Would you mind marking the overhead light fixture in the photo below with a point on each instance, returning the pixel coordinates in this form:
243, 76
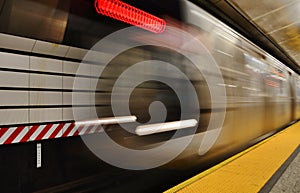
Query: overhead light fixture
126, 13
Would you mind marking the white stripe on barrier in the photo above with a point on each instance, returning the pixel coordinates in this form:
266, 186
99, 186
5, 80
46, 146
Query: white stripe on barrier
72, 132
7, 134
66, 126
37, 132
21, 135
83, 130
94, 129
50, 131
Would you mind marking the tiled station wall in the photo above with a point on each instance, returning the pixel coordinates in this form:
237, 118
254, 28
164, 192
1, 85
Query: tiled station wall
36, 81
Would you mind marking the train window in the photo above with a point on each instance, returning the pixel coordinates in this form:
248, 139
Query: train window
257, 70
276, 82
223, 52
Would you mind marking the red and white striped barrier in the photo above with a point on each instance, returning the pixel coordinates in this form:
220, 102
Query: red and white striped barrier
9, 135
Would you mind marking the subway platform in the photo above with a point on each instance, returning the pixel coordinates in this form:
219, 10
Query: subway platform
272, 165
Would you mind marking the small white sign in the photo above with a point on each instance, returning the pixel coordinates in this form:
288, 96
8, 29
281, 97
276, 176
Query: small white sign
38, 155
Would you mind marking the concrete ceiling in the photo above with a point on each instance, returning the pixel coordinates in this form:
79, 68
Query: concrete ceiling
278, 19
273, 25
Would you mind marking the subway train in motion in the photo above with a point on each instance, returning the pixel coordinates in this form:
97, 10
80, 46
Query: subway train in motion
91, 103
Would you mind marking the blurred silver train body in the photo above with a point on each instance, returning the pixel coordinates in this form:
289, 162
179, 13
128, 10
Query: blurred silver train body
262, 93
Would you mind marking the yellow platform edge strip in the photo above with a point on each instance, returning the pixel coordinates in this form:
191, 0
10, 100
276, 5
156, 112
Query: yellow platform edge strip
220, 165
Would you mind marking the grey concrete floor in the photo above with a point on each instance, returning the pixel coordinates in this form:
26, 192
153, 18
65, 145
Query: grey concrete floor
289, 182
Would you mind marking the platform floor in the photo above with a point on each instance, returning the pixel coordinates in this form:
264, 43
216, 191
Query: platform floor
272, 165
289, 181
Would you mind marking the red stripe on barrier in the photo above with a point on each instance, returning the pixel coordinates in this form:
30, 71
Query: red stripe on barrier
25, 138
16, 132
57, 130
76, 132
30, 132
89, 129
68, 130
2, 131
80, 128
43, 132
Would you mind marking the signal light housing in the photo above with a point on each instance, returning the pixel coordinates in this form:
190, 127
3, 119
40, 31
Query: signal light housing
123, 12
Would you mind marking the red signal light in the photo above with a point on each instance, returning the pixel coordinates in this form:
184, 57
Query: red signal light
123, 12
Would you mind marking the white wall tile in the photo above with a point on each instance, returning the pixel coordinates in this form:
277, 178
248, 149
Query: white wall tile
45, 98
45, 64
45, 115
14, 79
13, 116
14, 61
13, 98
45, 81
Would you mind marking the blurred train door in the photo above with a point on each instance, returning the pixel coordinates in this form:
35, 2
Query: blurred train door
278, 104
254, 91
295, 89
